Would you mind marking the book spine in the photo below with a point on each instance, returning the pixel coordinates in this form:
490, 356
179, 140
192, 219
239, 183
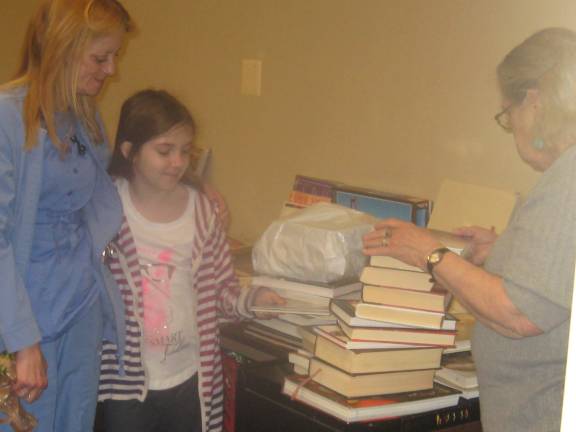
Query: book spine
314, 186
306, 199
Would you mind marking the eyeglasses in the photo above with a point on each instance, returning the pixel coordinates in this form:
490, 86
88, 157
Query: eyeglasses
503, 119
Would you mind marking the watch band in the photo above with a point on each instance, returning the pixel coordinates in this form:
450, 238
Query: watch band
434, 258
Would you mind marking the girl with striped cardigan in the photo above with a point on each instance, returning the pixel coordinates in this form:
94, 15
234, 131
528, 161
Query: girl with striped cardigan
172, 265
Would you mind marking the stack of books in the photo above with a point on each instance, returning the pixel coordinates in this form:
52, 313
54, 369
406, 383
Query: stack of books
307, 305
360, 368
370, 408
390, 341
310, 190
364, 380
400, 304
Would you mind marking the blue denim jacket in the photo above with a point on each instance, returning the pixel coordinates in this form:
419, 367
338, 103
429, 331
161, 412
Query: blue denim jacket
20, 181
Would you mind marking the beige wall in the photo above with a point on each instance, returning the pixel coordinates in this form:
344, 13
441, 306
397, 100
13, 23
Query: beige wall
390, 94
13, 20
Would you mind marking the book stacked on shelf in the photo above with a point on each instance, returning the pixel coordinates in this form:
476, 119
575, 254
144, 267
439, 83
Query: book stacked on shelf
307, 305
384, 205
458, 371
400, 296
370, 408
359, 368
310, 190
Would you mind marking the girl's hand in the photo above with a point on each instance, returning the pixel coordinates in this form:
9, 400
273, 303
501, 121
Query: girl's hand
31, 378
401, 240
481, 242
267, 297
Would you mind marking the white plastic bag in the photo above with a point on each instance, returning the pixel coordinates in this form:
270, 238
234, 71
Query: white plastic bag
321, 243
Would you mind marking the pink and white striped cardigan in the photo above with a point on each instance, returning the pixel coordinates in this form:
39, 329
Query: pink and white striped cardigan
219, 298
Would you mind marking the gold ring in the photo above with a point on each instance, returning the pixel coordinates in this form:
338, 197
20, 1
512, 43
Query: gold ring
384, 241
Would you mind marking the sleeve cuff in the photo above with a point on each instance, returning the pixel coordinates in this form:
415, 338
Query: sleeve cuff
20, 337
545, 314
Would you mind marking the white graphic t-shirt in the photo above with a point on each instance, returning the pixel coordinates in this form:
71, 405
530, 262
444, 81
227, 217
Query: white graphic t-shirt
170, 333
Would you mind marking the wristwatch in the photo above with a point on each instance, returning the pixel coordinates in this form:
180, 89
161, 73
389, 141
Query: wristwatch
434, 258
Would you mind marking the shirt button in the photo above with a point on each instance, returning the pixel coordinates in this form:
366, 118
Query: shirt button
75, 170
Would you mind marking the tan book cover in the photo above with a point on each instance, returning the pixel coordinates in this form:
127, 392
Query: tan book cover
414, 336
345, 310
413, 317
370, 408
435, 300
460, 204
383, 276
335, 334
369, 384
391, 262
374, 361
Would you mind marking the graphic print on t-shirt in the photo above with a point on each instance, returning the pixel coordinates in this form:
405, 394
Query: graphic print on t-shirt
161, 330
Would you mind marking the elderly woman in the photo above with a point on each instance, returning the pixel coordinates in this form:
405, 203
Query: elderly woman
518, 286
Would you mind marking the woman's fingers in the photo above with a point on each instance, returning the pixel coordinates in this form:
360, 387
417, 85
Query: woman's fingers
31, 376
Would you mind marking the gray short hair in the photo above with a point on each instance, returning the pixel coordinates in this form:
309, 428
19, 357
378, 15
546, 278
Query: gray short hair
545, 61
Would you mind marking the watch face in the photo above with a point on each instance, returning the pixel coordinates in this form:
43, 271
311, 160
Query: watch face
435, 257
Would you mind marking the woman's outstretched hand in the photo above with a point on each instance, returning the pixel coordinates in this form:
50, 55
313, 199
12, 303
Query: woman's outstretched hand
401, 240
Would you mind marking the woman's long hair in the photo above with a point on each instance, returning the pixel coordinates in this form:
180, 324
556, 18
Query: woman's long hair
56, 38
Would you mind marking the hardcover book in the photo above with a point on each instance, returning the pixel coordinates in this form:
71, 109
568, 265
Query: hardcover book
277, 325
414, 336
368, 408
371, 384
392, 314
345, 311
435, 300
300, 361
375, 202
384, 205
337, 336
272, 336
315, 186
459, 369
317, 289
373, 361
308, 336
293, 306
391, 262
383, 276
307, 320
305, 199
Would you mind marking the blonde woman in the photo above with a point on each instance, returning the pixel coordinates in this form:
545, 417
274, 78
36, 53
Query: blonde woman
58, 210
519, 286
